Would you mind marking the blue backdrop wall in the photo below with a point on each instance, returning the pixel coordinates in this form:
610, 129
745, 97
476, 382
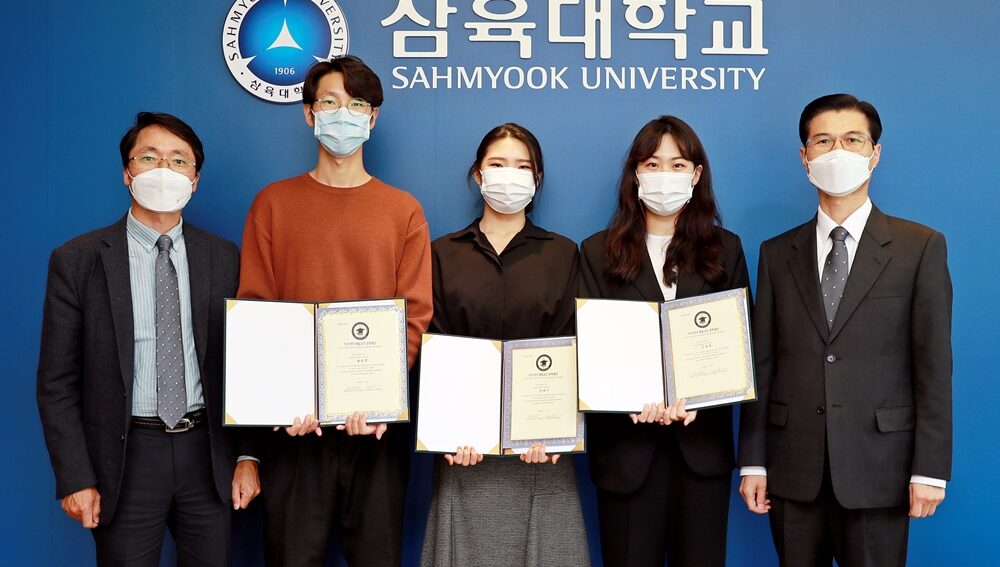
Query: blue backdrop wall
76, 73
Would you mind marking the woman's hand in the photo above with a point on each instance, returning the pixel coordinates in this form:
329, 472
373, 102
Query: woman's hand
536, 455
465, 456
676, 412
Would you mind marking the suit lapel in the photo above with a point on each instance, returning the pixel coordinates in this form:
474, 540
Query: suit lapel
869, 262
805, 272
645, 283
199, 277
689, 285
114, 258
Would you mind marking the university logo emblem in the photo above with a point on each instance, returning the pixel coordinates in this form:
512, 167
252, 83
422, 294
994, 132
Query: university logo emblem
360, 331
702, 319
270, 44
543, 362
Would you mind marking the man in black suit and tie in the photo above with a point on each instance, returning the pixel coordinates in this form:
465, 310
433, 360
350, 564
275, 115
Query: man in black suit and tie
851, 432
130, 369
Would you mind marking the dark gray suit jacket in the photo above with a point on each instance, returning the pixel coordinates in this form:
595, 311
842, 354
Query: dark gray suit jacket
873, 392
85, 367
621, 453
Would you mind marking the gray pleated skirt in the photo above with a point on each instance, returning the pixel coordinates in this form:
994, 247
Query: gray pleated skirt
505, 513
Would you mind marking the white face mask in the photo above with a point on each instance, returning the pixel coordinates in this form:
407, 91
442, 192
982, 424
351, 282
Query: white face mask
839, 172
161, 190
507, 190
341, 132
665, 192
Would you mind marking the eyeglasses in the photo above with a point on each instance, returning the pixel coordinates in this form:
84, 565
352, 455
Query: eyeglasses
356, 106
146, 162
851, 141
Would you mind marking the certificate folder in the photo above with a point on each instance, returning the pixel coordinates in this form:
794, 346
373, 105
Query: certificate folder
500, 397
285, 360
632, 353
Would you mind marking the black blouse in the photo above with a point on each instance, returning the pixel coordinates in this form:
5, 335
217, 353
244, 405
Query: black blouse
527, 291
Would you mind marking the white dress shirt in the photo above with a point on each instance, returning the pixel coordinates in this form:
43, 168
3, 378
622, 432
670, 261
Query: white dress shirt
855, 225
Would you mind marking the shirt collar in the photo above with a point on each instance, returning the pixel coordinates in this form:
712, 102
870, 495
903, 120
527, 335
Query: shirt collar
146, 236
855, 224
530, 230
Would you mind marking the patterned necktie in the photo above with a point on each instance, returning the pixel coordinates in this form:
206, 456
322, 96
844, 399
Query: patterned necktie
835, 274
171, 400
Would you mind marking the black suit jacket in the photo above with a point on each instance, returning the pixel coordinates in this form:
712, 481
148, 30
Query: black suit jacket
85, 367
621, 452
873, 392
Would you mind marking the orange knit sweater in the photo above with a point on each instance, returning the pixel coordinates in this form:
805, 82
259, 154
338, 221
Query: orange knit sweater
305, 241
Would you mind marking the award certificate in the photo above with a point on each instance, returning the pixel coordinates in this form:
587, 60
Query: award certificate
499, 397
709, 360
540, 399
632, 353
286, 359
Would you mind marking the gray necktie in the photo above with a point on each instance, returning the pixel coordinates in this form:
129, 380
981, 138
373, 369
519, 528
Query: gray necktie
835, 274
171, 400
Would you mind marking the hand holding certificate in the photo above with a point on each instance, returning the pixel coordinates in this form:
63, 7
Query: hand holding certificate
695, 349
344, 363
514, 397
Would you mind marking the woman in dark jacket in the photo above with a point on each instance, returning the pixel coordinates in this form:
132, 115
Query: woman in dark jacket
663, 490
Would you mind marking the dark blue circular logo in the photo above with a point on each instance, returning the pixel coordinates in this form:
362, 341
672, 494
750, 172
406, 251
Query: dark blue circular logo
269, 45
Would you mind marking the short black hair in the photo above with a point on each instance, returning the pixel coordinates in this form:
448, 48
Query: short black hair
840, 102
168, 122
359, 80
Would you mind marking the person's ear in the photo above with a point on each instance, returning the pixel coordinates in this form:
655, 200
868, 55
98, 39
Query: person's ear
876, 156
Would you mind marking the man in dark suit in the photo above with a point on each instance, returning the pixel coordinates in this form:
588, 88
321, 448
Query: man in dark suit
852, 332
130, 369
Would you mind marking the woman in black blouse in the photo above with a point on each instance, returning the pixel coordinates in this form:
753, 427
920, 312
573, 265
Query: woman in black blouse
663, 489
502, 277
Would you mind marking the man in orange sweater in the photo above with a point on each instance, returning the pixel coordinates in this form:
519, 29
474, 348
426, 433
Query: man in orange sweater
337, 233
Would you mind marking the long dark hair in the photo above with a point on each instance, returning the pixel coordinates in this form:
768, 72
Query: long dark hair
521, 134
697, 240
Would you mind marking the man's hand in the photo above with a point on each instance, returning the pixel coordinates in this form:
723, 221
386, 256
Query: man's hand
651, 413
84, 506
753, 488
357, 424
246, 483
924, 500
303, 426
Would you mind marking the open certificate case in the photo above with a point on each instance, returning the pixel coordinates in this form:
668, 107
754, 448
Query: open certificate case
285, 360
500, 397
632, 352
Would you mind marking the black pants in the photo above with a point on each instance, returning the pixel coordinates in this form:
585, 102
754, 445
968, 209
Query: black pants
675, 513
167, 484
814, 533
356, 486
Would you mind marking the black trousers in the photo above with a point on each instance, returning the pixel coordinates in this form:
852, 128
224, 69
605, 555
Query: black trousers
675, 513
167, 484
815, 533
312, 486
